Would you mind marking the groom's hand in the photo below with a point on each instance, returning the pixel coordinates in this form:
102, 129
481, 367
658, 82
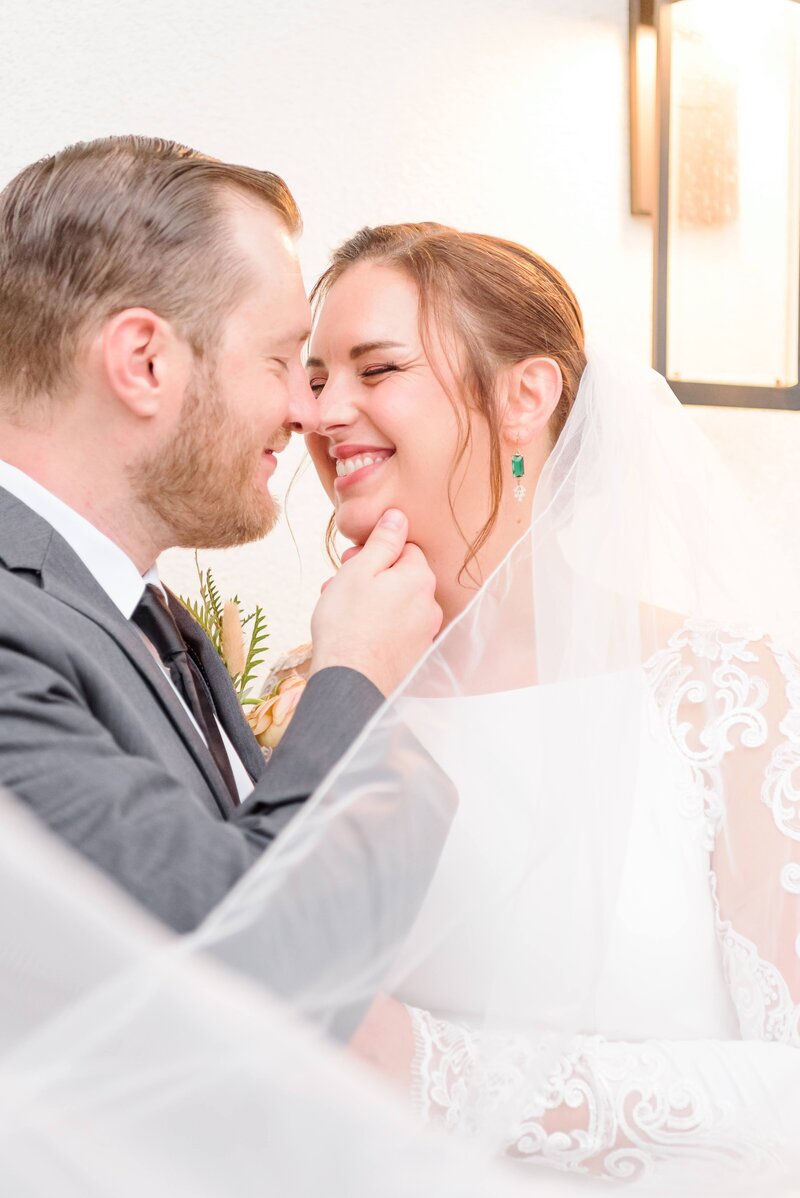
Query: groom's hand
379, 614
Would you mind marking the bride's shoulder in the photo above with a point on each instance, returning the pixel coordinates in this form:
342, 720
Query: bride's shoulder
703, 644
729, 690
686, 651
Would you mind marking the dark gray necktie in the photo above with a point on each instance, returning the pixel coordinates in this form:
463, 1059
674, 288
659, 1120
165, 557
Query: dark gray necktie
156, 621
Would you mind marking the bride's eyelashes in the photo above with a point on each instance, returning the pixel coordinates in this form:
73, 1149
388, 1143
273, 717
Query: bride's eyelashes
369, 372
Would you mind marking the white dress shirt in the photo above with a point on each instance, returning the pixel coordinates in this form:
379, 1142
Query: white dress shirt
112, 569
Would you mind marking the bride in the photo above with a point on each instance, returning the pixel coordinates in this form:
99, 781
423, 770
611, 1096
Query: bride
605, 976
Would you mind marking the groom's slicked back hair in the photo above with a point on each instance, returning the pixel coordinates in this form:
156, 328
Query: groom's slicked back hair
111, 224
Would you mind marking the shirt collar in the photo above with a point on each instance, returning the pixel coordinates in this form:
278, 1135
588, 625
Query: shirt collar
110, 566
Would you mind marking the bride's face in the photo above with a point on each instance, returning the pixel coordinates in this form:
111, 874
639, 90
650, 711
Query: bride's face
388, 434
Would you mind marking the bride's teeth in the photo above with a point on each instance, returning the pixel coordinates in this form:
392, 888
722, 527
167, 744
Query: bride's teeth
350, 465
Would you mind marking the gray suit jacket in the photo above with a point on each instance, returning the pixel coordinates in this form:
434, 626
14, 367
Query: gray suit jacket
95, 742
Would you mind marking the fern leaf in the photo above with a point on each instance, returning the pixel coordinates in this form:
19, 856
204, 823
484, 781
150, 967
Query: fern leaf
215, 600
255, 651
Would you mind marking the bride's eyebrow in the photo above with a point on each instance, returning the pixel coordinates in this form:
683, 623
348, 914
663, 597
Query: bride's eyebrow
358, 351
368, 347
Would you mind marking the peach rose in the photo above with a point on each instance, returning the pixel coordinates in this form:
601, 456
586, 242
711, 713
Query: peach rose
270, 718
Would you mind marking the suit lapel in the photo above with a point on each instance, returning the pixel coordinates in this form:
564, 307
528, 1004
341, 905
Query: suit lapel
30, 545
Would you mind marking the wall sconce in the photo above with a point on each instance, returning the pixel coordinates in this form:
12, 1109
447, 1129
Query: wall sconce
715, 157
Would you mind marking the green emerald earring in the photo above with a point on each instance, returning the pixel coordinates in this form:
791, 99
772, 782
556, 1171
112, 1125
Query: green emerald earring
517, 472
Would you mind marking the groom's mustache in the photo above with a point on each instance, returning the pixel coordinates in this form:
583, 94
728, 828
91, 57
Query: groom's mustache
280, 440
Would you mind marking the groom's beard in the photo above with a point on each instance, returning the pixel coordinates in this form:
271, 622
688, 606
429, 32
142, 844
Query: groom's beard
206, 485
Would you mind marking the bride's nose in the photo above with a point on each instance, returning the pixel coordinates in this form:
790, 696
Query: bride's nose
336, 408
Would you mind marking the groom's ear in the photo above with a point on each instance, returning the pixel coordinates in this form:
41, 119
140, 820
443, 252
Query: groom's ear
531, 391
140, 359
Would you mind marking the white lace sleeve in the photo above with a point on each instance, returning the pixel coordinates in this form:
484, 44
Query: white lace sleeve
732, 703
616, 1110
621, 1109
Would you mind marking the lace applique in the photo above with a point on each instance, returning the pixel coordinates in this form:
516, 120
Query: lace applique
449, 1076
640, 1112
629, 1106
781, 789
790, 878
440, 1068
738, 698
762, 998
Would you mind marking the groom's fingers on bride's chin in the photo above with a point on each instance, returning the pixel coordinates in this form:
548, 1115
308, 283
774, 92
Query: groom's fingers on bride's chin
385, 543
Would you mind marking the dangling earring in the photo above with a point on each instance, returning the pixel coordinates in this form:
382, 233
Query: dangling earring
517, 471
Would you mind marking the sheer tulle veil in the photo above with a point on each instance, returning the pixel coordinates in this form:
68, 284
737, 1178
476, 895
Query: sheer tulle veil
131, 1065
544, 694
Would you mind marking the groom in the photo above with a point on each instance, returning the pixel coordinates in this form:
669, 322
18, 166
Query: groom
151, 319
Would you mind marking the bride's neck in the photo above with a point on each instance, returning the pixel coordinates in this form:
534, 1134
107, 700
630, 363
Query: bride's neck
456, 583
459, 579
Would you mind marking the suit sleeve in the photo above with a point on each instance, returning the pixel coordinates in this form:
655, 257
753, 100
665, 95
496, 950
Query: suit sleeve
336, 705
150, 833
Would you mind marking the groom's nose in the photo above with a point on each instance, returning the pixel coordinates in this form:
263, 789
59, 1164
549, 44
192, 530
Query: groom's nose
303, 411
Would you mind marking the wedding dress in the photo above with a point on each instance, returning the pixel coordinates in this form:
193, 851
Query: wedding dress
605, 976
689, 1054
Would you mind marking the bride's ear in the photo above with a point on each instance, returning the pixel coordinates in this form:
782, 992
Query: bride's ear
530, 391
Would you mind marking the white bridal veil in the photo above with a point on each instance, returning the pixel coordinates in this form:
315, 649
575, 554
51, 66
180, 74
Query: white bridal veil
129, 1065
604, 975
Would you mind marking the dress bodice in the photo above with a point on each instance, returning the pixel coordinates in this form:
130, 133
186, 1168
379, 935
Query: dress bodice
658, 970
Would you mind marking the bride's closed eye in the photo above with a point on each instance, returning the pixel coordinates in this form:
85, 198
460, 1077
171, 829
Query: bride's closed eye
371, 372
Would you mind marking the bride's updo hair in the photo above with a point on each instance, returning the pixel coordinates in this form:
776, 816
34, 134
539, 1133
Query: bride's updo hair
495, 301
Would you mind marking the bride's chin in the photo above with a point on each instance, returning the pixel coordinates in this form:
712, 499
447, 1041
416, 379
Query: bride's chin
356, 527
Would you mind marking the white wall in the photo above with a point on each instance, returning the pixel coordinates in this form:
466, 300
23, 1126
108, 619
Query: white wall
508, 116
